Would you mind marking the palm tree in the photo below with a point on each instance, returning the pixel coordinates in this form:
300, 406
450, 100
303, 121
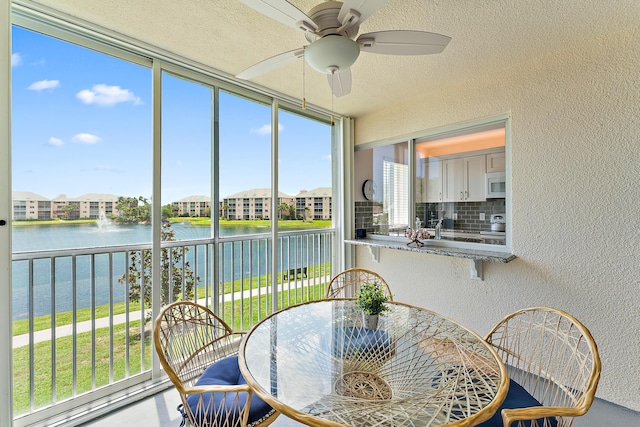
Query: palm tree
283, 209
307, 210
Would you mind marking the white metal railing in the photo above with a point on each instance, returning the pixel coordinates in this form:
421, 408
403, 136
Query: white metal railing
80, 332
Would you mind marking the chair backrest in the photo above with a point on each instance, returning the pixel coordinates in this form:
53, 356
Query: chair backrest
347, 283
552, 355
188, 338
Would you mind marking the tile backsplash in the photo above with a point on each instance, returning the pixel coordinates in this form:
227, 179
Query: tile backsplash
458, 216
364, 215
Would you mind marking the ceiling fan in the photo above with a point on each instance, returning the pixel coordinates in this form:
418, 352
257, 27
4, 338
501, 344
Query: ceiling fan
331, 28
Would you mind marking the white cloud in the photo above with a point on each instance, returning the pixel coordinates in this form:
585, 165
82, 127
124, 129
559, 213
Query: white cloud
55, 142
16, 59
85, 138
105, 95
266, 129
327, 157
44, 84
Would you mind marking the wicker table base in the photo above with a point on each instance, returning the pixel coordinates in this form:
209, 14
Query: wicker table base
363, 385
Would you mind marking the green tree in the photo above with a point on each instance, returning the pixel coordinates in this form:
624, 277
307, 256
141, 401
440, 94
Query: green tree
292, 211
225, 211
307, 212
167, 212
69, 209
283, 208
132, 210
173, 268
170, 209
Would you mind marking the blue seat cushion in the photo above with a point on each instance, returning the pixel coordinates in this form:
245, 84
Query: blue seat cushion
353, 340
517, 397
226, 372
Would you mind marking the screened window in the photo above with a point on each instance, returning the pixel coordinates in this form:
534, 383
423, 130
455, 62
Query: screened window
385, 209
459, 187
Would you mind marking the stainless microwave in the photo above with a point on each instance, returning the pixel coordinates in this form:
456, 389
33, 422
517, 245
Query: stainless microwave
495, 185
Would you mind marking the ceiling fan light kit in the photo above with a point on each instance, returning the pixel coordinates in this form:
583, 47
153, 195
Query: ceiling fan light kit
331, 28
332, 54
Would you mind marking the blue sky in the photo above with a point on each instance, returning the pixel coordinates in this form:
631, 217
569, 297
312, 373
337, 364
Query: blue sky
81, 123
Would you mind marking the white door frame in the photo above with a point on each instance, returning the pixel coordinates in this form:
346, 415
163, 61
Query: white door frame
6, 205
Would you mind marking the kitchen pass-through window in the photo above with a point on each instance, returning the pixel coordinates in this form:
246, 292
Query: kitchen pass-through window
459, 190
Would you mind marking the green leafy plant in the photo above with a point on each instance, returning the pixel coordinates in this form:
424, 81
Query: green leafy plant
178, 280
371, 298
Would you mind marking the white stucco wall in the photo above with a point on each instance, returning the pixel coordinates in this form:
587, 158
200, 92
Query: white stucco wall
575, 199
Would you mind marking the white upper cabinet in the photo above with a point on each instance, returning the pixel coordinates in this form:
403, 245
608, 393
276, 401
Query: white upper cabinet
465, 179
455, 180
473, 170
495, 162
450, 181
460, 179
434, 178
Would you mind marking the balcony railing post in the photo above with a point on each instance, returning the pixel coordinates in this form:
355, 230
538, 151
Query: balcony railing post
92, 279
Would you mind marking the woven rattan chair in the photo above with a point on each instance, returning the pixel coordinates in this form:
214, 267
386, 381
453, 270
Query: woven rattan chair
198, 351
347, 283
550, 357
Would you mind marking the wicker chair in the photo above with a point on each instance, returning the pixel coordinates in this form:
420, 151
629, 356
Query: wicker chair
198, 351
552, 361
347, 283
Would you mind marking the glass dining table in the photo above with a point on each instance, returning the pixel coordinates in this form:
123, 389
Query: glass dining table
316, 363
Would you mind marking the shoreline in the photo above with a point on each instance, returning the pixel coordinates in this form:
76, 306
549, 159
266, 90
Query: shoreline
196, 222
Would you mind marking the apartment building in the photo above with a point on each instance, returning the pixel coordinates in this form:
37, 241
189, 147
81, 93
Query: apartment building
27, 205
193, 206
314, 204
90, 205
252, 204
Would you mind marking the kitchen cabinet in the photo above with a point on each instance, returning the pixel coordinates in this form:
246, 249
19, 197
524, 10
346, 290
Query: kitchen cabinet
473, 172
495, 162
455, 180
449, 181
433, 176
464, 179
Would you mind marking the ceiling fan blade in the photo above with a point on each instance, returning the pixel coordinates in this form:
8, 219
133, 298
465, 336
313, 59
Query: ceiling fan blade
340, 83
271, 64
403, 42
364, 7
284, 12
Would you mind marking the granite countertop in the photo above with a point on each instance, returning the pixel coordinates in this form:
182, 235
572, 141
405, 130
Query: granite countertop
474, 254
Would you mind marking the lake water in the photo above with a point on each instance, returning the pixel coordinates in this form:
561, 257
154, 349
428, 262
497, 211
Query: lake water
42, 237
238, 260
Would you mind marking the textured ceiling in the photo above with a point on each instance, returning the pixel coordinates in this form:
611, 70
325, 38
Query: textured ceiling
486, 35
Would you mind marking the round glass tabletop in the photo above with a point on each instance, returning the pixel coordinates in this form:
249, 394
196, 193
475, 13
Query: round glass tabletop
318, 364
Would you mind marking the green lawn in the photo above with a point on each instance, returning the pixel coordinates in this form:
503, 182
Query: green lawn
65, 318
64, 365
64, 352
316, 223
252, 310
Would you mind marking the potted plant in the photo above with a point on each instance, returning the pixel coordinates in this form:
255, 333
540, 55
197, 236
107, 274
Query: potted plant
371, 299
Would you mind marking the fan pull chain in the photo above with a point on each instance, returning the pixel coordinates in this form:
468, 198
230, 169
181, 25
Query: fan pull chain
333, 76
304, 84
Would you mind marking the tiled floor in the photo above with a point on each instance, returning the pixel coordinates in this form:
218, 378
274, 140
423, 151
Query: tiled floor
160, 411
